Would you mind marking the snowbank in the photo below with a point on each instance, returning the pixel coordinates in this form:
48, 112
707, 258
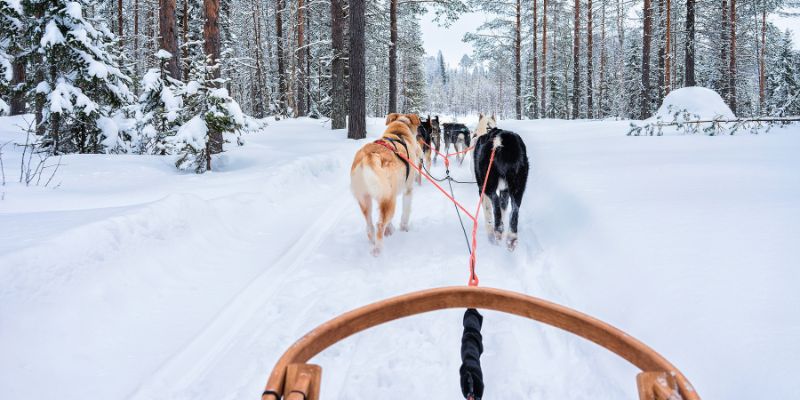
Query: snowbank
693, 103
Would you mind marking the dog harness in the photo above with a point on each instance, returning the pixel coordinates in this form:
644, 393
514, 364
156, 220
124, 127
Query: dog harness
394, 142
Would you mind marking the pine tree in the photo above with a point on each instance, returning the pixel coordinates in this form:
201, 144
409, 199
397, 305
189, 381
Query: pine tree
160, 112
783, 79
80, 85
10, 27
206, 108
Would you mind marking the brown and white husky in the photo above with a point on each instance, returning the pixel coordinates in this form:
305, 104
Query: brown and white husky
381, 172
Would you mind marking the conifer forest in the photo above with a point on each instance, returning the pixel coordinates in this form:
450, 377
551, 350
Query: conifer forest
184, 76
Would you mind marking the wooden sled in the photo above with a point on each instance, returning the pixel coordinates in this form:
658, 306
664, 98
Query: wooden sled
294, 379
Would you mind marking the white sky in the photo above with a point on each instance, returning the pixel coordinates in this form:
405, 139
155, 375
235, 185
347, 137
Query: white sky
448, 40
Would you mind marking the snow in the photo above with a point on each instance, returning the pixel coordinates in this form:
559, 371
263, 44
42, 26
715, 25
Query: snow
192, 132
14, 5
163, 54
133, 281
74, 10
701, 103
52, 35
172, 103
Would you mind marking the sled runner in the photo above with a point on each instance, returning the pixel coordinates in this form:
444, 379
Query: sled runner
292, 378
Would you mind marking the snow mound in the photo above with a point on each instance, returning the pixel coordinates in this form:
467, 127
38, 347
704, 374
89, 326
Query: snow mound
693, 103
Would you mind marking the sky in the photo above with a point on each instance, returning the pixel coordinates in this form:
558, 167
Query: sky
449, 40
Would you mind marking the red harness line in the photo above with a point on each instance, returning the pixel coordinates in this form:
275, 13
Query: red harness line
473, 277
446, 157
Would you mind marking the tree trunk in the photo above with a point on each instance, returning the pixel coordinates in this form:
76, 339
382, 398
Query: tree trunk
307, 75
136, 60
518, 60
119, 20
338, 95
603, 61
168, 30
535, 97
544, 59
357, 125
589, 61
576, 69
662, 50
185, 37
300, 52
668, 51
762, 66
647, 33
212, 50
152, 37
732, 64
279, 50
259, 87
690, 15
723, 59
17, 84
393, 56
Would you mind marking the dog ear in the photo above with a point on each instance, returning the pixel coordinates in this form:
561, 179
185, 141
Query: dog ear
494, 117
480, 116
414, 118
391, 118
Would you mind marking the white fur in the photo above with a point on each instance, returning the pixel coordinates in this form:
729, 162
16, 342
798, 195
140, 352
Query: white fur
497, 143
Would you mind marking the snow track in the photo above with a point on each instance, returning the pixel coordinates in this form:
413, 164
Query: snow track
192, 364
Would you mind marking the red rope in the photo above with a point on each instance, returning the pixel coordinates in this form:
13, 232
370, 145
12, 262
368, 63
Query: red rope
446, 157
473, 277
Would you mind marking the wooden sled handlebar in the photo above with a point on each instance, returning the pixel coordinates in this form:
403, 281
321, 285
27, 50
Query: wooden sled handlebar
660, 380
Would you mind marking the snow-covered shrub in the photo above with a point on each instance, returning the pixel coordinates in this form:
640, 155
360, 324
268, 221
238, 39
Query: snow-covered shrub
79, 85
208, 109
160, 110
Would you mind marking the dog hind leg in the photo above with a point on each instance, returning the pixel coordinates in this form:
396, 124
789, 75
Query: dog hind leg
514, 222
404, 218
488, 215
386, 207
497, 204
365, 203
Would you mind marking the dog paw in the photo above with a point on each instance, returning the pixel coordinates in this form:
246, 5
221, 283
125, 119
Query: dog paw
404, 227
512, 241
498, 236
389, 230
376, 251
512, 244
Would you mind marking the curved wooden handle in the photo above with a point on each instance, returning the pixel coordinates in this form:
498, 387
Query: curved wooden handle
601, 333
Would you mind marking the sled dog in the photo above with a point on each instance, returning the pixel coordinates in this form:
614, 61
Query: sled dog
507, 177
381, 172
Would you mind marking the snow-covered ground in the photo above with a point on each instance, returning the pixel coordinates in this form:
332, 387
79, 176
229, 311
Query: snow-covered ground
131, 280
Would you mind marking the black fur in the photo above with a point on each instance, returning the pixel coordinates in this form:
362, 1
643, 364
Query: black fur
453, 131
511, 165
424, 131
458, 136
436, 134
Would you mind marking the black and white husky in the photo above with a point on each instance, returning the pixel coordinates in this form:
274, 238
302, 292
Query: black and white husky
507, 177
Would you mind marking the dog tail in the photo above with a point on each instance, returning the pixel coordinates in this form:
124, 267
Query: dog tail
497, 143
364, 179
